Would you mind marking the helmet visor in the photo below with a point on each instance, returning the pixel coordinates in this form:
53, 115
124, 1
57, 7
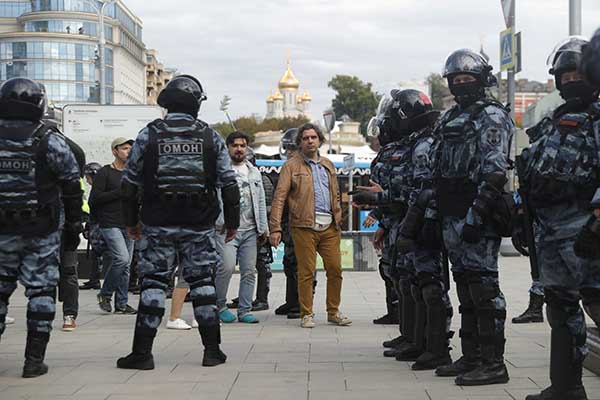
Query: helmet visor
572, 44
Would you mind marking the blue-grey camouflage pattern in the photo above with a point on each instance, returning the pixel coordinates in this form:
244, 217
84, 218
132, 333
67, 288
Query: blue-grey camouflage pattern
32, 260
97, 240
566, 150
34, 263
161, 250
470, 143
565, 154
134, 172
536, 287
471, 146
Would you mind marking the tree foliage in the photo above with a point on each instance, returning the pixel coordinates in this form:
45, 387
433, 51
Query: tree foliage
252, 125
439, 90
354, 98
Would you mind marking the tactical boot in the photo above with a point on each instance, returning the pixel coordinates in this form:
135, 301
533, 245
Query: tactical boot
141, 355
534, 311
409, 353
577, 393
35, 351
399, 349
213, 356
429, 361
211, 338
492, 369
387, 319
395, 342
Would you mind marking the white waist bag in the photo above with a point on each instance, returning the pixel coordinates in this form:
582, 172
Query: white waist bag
322, 222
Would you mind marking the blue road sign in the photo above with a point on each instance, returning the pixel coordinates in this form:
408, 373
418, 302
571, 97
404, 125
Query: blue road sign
507, 49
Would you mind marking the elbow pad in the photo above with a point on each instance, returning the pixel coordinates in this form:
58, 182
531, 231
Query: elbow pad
231, 206
129, 203
72, 197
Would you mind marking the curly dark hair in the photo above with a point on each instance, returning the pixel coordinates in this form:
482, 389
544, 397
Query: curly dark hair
306, 127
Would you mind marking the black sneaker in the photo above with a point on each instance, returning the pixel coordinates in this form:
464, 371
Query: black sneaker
125, 310
104, 303
259, 306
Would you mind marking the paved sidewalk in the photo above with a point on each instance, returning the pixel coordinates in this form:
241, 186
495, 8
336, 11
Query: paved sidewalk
272, 360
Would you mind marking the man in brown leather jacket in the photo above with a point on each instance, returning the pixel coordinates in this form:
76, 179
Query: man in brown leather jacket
309, 186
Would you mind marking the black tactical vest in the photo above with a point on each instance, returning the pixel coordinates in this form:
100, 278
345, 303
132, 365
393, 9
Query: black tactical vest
29, 195
179, 175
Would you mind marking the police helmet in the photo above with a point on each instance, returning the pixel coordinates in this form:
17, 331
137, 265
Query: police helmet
183, 93
590, 61
411, 110
22, 98
91, 169
467, 61
566, 56
288, 142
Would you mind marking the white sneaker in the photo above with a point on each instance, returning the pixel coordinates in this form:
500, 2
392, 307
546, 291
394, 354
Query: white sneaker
194, 323
308, 321
178, 324
9, 320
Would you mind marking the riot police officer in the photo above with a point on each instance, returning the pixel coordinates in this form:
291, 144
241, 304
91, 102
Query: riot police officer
412, 113
176, 164
561, 175
472, 158
390, 191
38, 171
376, 215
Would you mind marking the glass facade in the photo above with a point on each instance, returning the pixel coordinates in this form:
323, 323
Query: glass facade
112, 11
13, 9
68, 70
72, 27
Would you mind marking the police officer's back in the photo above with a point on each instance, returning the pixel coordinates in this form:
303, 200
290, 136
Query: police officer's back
39, 182
175, 166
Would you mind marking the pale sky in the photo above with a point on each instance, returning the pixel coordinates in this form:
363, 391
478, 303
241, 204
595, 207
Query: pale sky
239, 48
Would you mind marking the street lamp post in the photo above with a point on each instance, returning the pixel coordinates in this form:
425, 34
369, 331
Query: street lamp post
101, 44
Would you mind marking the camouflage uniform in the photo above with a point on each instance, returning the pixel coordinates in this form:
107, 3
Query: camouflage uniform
32, 259
430, 291
472, 144
562, 174
162, 247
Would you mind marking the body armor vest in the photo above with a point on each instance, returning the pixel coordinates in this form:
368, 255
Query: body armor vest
563, 164
458, 159
179, 175
29, 196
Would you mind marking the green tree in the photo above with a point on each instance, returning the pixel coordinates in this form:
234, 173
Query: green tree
439, 90
250, 125
354, 98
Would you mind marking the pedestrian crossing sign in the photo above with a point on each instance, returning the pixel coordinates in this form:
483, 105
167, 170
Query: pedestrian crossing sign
507, 49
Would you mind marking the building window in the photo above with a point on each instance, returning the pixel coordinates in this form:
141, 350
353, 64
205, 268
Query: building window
14, 9
69, 27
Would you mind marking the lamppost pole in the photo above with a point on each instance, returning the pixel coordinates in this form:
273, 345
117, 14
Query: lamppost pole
101, 45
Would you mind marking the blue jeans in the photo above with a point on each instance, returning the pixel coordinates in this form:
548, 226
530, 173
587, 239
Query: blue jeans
116, 280
242, 249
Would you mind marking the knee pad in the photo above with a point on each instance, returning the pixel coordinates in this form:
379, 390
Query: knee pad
42, 304
154, 282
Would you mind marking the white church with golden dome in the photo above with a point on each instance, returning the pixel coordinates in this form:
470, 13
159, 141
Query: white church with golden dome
287, 100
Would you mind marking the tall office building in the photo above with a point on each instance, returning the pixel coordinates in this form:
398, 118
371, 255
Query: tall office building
55, 42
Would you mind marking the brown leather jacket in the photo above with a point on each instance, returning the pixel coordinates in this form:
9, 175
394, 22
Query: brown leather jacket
296, 186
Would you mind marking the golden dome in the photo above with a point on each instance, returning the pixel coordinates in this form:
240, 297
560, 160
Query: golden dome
288, 81
306, 96
278, 95
270, 98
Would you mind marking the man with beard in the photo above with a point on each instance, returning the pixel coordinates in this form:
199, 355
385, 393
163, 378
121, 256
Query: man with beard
253, 229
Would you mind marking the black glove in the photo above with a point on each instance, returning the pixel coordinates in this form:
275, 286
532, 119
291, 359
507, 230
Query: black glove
364, 198
471, 232
587, 244
519, 239
71, 235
